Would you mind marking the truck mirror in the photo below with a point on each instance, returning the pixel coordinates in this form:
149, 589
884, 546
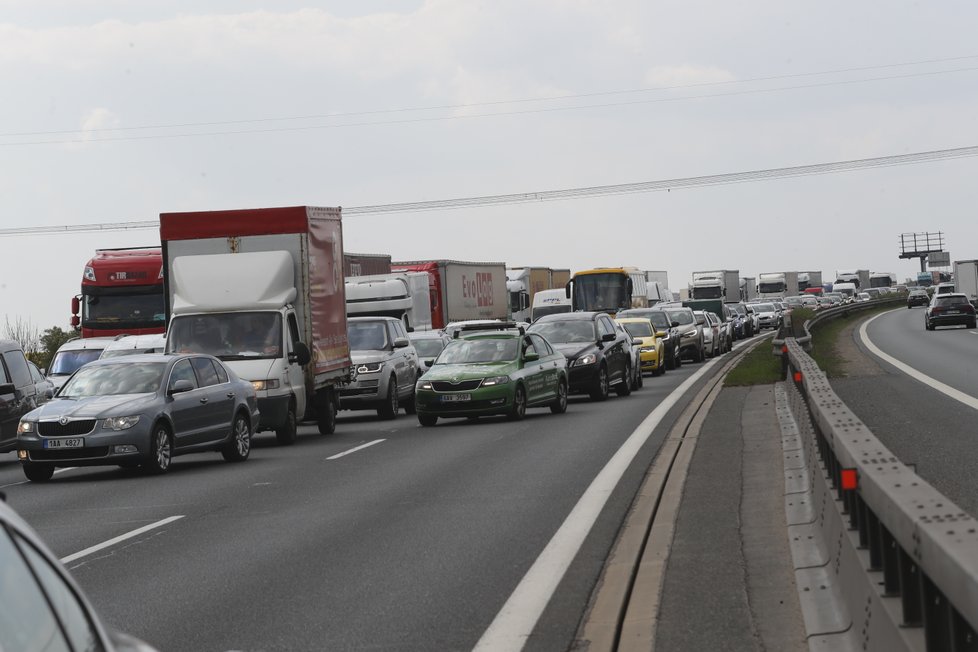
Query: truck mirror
75, 305
300, 354
75, 321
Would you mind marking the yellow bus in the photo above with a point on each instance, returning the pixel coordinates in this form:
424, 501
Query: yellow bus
608, 289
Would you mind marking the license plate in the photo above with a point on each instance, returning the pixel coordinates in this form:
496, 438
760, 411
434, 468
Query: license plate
449, 398
72, 442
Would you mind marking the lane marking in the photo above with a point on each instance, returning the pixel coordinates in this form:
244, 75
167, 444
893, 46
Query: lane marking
514, 623
354, 450
947, 390
56, 472
118, 539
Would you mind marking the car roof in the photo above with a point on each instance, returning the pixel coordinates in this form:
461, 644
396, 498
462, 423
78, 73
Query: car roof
146, 357
961, 295
570, 316
427, 335
372, 318
80, 343
137, 341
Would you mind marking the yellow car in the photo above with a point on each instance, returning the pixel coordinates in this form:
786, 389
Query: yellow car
652, 352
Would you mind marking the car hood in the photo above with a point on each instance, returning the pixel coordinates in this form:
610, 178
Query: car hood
259, 369
573, 350
91, 407
469, 371
361, 357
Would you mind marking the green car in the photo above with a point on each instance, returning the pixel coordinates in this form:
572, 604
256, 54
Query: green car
502, 371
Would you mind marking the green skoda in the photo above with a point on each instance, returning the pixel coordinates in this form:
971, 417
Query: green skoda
492, 369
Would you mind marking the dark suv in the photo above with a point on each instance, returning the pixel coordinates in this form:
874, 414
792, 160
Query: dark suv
18, 394
948, 310
599, 356
917, 298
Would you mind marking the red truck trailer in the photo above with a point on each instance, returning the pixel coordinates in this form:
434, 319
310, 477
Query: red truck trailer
461, 290
121, 293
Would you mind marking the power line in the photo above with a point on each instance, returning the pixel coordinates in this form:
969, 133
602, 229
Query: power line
572, 193
484, 115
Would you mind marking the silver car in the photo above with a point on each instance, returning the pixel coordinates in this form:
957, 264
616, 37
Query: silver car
767, 315
385, 365
428, 344
140, 410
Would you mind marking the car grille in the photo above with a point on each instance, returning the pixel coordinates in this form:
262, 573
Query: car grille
358, 391
70, 429
463, 406
69, 454
461, 386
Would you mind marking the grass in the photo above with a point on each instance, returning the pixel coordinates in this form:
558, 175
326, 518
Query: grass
824, 350
759, 367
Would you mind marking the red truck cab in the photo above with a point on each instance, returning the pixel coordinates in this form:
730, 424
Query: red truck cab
121, 293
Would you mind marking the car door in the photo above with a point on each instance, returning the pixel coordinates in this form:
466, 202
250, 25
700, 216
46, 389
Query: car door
549, 367
9, 410
614, 351
187, 411
217, 401
405, 359
21, 399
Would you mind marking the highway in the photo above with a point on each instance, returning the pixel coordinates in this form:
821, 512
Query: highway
384, 535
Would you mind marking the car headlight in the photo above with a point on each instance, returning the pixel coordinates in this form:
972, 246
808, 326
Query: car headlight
120, 423
369, 367
26, 427
590, 358
495, 380
423, 385
262, 385
689, 334
646, 349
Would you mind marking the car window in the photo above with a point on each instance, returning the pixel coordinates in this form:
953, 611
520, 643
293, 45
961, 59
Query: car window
4, 376
950, 301
206, 374
36, 375
605, 326
110, 380
638, 328
222, 373
17, 367
542, 347
183, 371
565, 332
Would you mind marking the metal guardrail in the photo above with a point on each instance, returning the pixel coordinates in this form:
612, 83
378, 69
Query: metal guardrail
922, 561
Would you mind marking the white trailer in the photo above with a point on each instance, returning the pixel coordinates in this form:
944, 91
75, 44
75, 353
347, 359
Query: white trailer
966, 279
403, 295
717, 284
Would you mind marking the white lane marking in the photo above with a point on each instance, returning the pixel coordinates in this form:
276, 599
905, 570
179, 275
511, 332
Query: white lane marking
947, 390
354, 450
118, 539
515, 621
56, 472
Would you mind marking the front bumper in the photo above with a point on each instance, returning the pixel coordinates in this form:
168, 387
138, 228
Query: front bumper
99, 449
366, 392
582, 379
483, 401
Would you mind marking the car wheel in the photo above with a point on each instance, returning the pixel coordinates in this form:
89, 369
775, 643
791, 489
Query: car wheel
326, 417
640, 378
518, 409
38, 472
287, 433
427, 419
659, 370
678, 357
160, 450
559, 406
973, 323
409, 404
389, 409
239, 447
624, 388
600, 390
671, 360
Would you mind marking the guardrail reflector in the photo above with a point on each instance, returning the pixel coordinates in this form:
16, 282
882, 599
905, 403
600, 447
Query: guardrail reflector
850, 479
797, 376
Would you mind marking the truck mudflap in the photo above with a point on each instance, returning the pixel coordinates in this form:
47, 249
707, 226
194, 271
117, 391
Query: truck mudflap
274, 411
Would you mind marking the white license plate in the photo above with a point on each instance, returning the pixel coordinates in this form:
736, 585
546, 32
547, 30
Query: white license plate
71, 442
448, 398
954, 312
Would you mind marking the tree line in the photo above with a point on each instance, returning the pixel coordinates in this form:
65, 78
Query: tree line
39, 346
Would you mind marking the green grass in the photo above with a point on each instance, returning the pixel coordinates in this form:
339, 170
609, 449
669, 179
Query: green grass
825, 352
759, 367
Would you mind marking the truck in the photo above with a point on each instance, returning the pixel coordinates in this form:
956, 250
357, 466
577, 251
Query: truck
524, 282
403, 295
882, 279
607, 289
121, 293
461, 290
966, 279
549, 302
657, 293
366, 264
748, 288
777, 285
809, 280
718, 284
858, 277
263, 290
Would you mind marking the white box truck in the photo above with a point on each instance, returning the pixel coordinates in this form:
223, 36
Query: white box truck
718, 284
263, 290
966, 279
403, 295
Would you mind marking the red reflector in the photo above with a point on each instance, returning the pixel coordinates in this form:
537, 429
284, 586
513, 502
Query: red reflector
797, 376
850, 479
784, 349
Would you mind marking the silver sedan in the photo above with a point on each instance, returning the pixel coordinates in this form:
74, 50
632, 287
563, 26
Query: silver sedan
140, 410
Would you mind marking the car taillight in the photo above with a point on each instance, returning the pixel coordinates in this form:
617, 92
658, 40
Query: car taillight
936, 309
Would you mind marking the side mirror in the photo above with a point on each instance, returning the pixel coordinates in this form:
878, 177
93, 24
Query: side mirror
49, 394
660, 333
180, 386
7, 388
675, 324
300, 354
401, 342
531, 356
608, 337
430, 362
636, 341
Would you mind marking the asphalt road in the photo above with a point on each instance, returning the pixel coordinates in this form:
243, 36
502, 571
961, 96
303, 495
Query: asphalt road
411, 543
922, 426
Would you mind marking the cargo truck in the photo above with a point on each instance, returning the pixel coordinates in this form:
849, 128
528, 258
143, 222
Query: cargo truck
263, 290
966, 279
460, 290
521, 284
748, 288
121, 293
809, 280
366, 264
549, 302
882, 279
402, 295
718, 284
772, 285
858, 277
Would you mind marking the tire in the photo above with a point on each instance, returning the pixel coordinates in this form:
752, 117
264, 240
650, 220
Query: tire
659, 370
288, 432
678, 357
38, 472
671, 360
640, 378
427, 420
559, 406
326, 416
624, 388
160, 453
973, 323
239, 446
389, 409
518, 409
600, 390
408, 404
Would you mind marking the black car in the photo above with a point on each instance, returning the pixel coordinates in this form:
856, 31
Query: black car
670, 337
917, 298
18, 392
599, 356
743, 321
948, 310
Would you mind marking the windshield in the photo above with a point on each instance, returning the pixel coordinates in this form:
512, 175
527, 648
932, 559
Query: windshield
123, 378
601, 292
478, 351
229, 336
768, 287
66, 362
950, 301
763, 307
638, 328
367, 336
428, 348
684, 317
566, 332
123, 310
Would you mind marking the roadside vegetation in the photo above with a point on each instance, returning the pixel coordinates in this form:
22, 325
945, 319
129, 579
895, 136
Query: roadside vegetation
759, 367
825, 350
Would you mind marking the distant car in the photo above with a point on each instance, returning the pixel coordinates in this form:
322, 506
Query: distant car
43, 388
664, 330
452, 327
73, 354
18, 392
636, 380
723, 336
500, 369
140, 410
711, 333
385, 364
428, 345
652, 351
690, 333
944, 288
948, 310
767, 315
599, 358
43, 607
917, 298
133, 344
862, 297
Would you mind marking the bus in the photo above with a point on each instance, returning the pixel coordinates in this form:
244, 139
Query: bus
608, 289
121, 293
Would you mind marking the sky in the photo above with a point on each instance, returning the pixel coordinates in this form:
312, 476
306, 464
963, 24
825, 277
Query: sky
115, 111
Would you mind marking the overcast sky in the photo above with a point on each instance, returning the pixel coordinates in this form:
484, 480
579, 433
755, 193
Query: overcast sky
116, 111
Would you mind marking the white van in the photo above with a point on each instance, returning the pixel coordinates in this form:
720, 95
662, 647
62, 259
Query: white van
848, 290
133, 344
549, 302
73, 354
